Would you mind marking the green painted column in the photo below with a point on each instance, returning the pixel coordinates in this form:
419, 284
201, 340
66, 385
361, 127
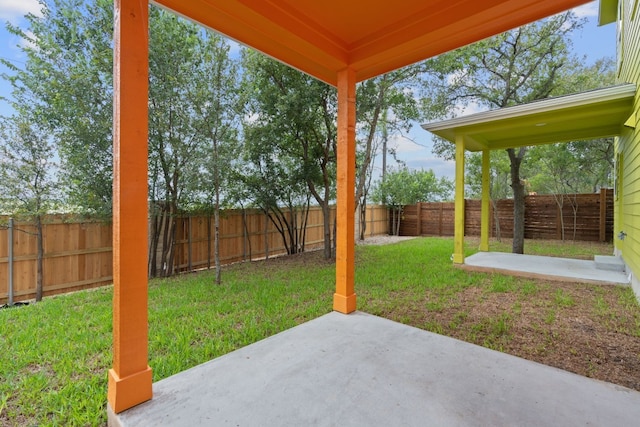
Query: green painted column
486, 192
458, 253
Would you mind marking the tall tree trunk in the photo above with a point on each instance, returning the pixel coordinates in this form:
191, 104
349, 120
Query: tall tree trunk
303, 228
216, 243
171, 247
326, 220
154, 237
560, 203
496, 220
167, 255
246, 232
216, 213
363, 216
40, 258
335, 237
209, 240
266, 235
518, 199
574, 206
392, 229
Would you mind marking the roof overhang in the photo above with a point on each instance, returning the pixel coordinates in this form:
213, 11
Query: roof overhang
608, 12
588, 115
372, 37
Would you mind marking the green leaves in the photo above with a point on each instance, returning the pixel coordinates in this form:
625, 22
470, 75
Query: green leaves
404, 187
65, 88
27, 181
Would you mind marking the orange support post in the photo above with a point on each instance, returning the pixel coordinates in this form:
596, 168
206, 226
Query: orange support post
130, 378
344, 300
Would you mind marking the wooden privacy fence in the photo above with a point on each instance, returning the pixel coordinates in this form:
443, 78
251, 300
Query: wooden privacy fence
249, 234
583, 217
78, 254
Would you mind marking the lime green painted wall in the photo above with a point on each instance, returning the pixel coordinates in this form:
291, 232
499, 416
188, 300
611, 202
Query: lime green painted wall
627, 218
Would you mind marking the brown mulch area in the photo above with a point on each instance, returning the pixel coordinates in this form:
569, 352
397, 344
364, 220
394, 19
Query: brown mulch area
590, 330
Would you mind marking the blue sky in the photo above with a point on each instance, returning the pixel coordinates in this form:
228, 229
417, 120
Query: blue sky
592, 43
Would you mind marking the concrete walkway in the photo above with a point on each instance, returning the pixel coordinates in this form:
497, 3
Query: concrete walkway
362, 370
544, 267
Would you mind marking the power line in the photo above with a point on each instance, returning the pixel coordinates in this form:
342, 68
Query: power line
12, 60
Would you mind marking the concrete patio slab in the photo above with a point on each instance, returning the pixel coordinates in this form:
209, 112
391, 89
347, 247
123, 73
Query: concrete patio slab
543, 267
362, 370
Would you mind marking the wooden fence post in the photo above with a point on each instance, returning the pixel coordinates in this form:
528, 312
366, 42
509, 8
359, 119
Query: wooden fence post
559, 221
189, 245
418, 219
244, 234
266, 236
603, 214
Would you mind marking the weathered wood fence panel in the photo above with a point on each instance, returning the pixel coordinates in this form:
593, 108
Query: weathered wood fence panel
78, 254
583, 217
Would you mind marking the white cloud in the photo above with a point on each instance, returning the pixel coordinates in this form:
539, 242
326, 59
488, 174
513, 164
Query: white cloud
14, 10
29, 41
440, 167
402, 144
468, 109
456, 76
587, 10
251, 118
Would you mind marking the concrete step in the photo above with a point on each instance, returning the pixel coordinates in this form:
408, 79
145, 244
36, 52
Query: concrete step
609, 263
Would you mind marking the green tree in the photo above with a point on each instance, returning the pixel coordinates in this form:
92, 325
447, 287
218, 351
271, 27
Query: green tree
576, 166
274, 182
513, 68
27, 181
293, 115
560, 169
67, 82
215, 102
67, 85
190, 115
404, 187
386, 104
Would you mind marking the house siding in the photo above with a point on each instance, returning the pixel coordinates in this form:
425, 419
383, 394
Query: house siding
627, 218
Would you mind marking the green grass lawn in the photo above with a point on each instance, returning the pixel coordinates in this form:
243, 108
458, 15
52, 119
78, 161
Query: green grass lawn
55, 354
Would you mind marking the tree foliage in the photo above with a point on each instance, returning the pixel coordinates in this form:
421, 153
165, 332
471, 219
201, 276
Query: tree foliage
293, 117
27, 184
67, 83
404, 187
192, 134
513, 68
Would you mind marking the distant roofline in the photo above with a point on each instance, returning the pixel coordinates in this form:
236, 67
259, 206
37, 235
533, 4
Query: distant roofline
565, 101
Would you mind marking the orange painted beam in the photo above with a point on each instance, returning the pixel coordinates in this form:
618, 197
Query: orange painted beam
130, 378
344, 299
370, 36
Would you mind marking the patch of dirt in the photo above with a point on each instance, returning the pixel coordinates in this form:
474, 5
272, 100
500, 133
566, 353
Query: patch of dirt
584, 329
